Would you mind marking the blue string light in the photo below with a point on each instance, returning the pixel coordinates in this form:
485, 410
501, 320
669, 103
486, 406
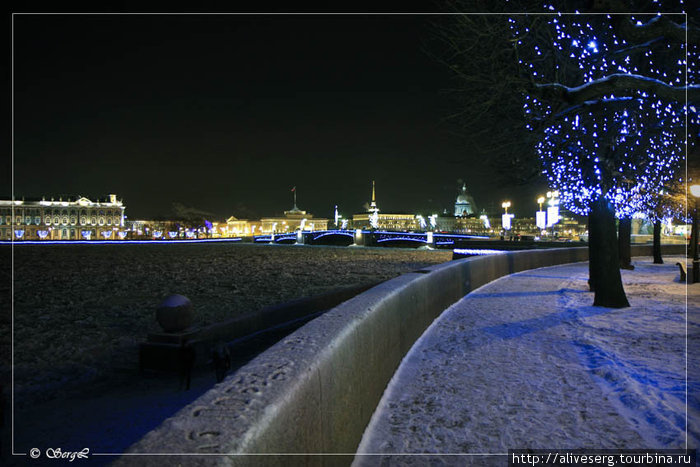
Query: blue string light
625, 148
118, 242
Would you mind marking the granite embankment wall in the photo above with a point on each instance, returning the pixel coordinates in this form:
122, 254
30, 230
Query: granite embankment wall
315, 391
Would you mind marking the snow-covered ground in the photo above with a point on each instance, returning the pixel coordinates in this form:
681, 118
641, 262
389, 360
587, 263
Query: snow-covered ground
80, 312
527, 362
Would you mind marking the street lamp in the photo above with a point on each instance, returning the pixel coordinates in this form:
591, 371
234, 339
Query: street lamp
505, 218
505, 205
695, 191
540, 217
552, 209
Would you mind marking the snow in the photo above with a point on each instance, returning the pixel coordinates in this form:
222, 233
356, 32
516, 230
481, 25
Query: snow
524, 361
81, 311
527, 362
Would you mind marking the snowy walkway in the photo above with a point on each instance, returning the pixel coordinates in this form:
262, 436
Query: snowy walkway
527, 362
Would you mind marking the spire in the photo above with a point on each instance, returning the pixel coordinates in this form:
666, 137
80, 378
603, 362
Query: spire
295, 209
373, 204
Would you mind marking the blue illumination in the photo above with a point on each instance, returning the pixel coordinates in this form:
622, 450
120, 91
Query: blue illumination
461, 236
625, 148
409, 239
117, 242
475, 252
334, 232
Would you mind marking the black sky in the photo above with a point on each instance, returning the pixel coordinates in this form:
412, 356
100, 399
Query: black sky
227, 113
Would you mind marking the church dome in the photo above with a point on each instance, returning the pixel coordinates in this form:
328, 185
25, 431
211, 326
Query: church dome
464, 205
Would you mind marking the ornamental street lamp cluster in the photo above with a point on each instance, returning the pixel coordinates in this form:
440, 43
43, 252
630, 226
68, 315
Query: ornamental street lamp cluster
540, 216
553, 208
543, 219
506, 218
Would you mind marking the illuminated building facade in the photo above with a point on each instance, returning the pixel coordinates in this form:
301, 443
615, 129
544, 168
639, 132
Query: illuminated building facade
70, 219
374, 219
173, 230
386, 221
464, 204
293, 220
241, 227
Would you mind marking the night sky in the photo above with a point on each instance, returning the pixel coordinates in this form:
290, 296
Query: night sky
226, 113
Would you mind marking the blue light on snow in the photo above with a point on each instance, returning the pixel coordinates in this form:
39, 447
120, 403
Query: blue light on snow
470, 251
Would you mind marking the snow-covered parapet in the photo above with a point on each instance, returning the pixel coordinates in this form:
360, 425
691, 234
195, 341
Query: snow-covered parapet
315, 390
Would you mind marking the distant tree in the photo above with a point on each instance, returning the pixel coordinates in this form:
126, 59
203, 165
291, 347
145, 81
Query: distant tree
191, 217
670, 204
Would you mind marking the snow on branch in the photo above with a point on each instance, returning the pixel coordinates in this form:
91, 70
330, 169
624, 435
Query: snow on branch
615, 84
660, 26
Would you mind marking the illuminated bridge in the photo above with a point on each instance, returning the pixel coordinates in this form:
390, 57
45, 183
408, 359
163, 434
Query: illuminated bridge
370, 238
380, 238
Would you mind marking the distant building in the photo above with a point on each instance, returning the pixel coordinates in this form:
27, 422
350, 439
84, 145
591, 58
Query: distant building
373, 218
402, 222
240, 227
464, 220
464, 205
293, 220
76, 218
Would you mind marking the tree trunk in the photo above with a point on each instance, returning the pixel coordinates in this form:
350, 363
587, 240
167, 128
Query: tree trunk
693, 231
657, 243
604, 258
624, 243
591, 286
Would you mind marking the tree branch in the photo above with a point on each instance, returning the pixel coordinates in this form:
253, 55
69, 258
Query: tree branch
660, 26
616, 83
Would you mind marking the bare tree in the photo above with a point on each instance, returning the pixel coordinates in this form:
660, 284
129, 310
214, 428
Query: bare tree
604, 98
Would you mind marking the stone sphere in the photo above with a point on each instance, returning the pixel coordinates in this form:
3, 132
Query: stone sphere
175, 313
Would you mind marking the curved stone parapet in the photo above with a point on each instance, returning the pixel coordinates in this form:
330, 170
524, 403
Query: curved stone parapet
315, 391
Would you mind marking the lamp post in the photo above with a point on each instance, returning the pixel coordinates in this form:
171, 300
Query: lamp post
540, 218
552, 209
695, 191
505, 218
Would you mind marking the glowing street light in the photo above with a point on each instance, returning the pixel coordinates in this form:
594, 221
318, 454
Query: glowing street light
695, 191
540, 216
553, 208
485, 219
433, 221
506, 218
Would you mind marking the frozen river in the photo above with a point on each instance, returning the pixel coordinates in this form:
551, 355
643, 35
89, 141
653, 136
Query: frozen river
81, 310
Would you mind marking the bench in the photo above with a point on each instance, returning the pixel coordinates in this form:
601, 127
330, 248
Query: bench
683, 270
